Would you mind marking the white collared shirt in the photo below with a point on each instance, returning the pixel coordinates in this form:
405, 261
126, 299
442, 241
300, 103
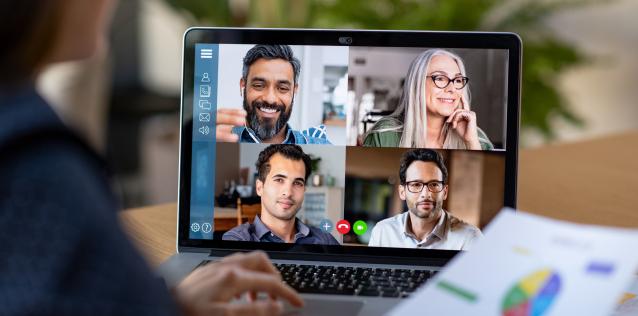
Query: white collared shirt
392, 232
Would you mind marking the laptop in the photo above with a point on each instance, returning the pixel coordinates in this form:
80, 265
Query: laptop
362, 162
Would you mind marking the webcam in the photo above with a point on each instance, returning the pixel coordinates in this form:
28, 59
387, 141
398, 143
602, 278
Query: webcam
345, 40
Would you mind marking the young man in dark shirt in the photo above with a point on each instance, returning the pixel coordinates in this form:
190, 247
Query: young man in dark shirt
282, 174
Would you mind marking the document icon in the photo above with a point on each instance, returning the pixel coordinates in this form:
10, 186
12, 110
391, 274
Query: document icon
204, 104
204, 117
204, 91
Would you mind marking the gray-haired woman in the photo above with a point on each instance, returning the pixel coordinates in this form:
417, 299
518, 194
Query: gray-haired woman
434, 108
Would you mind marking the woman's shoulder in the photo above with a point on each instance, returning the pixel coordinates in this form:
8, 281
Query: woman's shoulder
58, 191
387, 122
57, 164
42, 148
485, 142
384, 133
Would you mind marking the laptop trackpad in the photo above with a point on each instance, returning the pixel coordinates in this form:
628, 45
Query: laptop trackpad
321, 307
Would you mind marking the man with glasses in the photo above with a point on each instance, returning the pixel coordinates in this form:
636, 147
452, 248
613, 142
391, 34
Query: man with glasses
426, 225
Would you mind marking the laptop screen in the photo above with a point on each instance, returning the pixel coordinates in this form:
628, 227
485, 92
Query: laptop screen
398, 147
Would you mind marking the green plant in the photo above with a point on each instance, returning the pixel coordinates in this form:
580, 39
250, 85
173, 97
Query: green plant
315, 163
545, 56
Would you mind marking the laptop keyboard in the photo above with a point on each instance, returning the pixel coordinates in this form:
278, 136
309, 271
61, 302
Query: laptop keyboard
352, 280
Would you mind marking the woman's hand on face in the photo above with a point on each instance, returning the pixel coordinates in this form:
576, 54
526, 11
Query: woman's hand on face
209, 289
463, 122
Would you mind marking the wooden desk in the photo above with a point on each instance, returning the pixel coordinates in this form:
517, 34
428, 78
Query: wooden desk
591, 182
153, 228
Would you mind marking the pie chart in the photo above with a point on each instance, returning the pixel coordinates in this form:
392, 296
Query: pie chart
532, 295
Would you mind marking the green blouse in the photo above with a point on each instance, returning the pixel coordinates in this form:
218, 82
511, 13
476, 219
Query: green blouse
387, 133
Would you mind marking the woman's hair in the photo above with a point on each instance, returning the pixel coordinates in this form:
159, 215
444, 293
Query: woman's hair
28, 31
412, 112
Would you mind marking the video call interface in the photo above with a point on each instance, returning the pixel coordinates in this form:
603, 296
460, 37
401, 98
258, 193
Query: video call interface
356, 146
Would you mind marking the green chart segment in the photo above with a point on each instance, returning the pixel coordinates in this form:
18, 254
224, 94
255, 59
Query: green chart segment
457, 291
532, 295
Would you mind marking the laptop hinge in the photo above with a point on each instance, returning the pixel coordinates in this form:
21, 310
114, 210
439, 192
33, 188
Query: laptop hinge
341, 258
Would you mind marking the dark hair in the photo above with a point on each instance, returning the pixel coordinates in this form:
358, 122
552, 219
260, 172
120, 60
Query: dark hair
427, 155
28, 32
271, 52
292, 152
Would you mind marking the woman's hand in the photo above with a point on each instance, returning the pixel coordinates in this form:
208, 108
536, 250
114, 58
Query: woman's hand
464, 123
209, 290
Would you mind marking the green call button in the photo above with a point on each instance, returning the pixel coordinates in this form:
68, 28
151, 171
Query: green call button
360, 227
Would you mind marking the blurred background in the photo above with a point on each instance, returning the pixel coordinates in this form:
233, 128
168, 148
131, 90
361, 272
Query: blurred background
579, 70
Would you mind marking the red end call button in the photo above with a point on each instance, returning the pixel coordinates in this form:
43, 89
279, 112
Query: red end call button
343, 226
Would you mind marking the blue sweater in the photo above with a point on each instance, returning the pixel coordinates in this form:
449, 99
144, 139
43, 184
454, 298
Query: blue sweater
62, 251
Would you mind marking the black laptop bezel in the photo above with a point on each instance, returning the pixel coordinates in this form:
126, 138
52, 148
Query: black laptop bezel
508, 41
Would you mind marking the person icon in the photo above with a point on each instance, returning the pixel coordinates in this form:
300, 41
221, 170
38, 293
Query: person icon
205, 77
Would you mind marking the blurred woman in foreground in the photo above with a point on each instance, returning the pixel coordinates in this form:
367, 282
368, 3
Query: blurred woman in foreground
62, 248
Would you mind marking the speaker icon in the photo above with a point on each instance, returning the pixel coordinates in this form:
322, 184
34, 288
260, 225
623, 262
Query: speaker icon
204, 130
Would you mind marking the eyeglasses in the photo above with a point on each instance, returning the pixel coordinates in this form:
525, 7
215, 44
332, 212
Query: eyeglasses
442, 81
417, 186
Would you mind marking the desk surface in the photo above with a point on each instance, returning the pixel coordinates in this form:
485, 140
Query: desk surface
590, 182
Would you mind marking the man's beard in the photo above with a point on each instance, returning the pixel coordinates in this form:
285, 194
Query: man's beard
437, 207
265, 129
